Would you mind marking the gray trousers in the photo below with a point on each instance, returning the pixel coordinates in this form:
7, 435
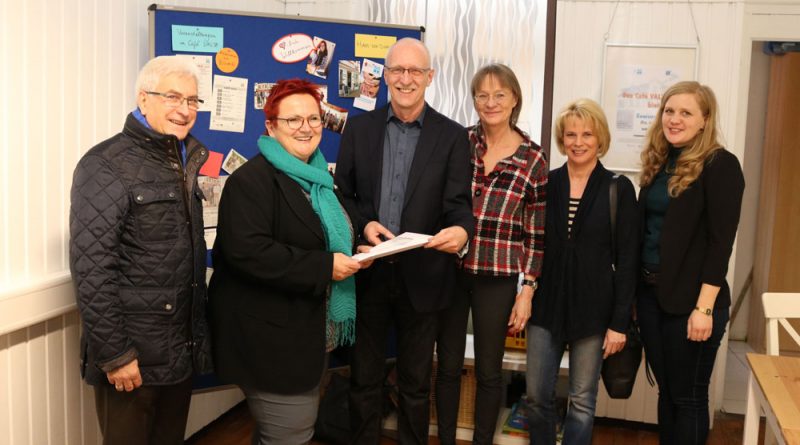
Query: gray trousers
282, 419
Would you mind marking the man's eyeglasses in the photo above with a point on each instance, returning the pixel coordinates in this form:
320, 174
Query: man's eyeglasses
398, 71
499, 98
176, 100
295, 122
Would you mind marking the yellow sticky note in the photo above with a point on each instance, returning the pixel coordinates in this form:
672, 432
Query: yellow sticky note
376, 47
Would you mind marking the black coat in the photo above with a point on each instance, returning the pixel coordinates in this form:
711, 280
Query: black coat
138, 257
579, 294
697, 235
271, 274
437, 196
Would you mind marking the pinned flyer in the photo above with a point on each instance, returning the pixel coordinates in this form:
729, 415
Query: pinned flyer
228, 104
212, 192
371, 73
205, 71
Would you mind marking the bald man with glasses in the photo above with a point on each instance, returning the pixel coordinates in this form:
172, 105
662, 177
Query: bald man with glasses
403, 168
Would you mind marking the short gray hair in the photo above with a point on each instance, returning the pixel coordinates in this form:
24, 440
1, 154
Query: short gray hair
162, 66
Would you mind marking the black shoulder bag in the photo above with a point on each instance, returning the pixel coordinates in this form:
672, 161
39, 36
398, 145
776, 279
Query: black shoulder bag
619, 370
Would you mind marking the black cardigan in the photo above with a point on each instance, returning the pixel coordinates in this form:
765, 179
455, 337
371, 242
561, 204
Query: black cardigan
271, 274
579, 295
697, 235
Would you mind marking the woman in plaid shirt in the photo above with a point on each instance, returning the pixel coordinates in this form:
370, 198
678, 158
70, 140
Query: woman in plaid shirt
508, 187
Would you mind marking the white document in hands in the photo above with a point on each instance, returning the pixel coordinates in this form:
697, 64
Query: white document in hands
400, 243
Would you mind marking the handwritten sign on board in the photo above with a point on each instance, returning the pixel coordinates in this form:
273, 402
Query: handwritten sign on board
292, 48
197, 39
369, 45
227, 60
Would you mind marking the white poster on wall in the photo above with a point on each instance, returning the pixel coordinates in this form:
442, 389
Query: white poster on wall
634, 78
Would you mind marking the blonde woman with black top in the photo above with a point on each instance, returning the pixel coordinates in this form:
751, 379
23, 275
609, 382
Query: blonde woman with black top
690, 199
582, 302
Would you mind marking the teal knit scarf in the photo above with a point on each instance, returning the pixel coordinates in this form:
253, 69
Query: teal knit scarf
314, 178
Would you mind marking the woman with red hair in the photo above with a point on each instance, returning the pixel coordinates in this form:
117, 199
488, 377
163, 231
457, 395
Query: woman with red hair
282, 295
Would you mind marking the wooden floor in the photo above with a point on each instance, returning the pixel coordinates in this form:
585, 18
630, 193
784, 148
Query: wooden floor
235, 427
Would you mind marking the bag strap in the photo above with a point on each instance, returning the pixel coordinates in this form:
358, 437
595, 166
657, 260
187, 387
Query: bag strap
612, 204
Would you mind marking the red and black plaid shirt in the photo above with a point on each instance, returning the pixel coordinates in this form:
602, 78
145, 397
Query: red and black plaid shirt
509, 205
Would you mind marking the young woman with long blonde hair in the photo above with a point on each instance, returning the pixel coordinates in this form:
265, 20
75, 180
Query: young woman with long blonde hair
690, 199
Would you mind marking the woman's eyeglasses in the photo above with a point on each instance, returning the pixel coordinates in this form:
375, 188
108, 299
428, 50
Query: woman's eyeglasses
295, 122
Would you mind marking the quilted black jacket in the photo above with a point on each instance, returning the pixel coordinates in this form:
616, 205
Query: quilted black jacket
137, 256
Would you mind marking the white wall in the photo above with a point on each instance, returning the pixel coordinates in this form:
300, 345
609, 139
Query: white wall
581, 26
751, 163
464, 35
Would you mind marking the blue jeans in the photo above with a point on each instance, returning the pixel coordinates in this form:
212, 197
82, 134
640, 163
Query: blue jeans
682, 368
544, 361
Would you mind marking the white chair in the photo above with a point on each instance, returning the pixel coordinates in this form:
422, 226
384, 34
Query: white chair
778, 306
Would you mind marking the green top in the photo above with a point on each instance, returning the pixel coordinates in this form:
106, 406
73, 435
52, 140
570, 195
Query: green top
655, 208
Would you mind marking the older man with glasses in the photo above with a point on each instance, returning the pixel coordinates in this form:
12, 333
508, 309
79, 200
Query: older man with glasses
403, 168
137, 256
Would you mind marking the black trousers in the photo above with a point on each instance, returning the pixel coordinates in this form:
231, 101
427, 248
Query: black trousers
147, 415
682, 368
383, 302
491, 300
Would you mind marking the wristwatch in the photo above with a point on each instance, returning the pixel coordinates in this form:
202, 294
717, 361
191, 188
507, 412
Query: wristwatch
703, 310
464, 251
532, 283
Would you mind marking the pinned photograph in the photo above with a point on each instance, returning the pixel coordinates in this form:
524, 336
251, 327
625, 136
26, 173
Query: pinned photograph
349, 78
212, 192
333, 118
371, 73
370, 86
233, 161
260, 94
320, 57
323, 90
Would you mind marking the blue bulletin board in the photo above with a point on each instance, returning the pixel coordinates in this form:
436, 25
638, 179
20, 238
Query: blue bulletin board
256, 39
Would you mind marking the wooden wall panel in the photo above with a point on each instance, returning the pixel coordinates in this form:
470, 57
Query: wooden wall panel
56, 391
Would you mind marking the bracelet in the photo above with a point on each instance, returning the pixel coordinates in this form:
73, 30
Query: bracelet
703, 310
531, 283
